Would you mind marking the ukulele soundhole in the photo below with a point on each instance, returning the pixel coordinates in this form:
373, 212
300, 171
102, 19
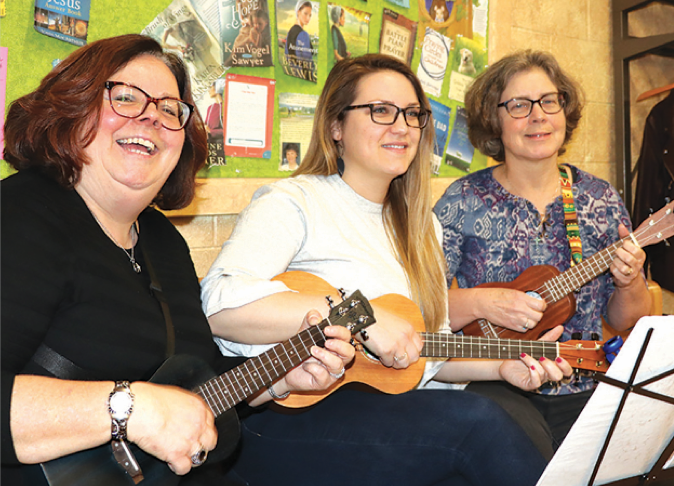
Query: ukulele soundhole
369, 354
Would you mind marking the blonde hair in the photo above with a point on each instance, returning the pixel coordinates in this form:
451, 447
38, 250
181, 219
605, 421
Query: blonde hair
407, 213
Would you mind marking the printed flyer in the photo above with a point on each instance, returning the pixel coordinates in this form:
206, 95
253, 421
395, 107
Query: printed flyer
397, 36
248, 116
296, 119
297, 26
66, 20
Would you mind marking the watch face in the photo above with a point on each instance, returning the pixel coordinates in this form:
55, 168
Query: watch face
120, 405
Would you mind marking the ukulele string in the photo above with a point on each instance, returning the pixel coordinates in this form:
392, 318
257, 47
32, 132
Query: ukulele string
547, 294
237, 382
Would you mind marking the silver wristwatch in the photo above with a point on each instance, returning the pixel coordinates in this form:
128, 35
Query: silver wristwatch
120, 406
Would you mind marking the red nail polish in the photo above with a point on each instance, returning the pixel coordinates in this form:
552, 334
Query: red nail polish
541, 359
559, 359
523, 355
533, 368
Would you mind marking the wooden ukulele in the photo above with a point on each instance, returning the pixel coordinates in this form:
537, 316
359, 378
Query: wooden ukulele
366, 368
547, 283
98, 466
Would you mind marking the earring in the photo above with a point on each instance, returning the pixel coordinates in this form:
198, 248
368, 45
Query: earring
340, 161
340, 166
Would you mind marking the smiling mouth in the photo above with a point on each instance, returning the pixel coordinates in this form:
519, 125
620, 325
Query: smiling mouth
138, 145
395, 146
537, 135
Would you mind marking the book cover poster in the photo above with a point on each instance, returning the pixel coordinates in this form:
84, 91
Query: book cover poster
3, 87
66, 20
449, 18
296, 119
397, 36
349, 32
441, 125
245, 33
214, 123
180, 30
469, 59
400, 3
297, 27
460, 151
248, 116
434, 61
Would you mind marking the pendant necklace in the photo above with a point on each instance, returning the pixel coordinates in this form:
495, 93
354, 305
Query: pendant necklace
131, 254
543, 219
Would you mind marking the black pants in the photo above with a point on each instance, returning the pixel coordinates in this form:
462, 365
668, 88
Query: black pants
545, 418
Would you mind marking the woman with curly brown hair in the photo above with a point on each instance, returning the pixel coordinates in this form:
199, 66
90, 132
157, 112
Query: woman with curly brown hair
502, 220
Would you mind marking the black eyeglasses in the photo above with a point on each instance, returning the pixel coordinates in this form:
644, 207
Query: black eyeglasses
130, 102
387, 114
551, 103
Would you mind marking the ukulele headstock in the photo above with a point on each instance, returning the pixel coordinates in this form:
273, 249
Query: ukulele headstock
657, 227
585, 355
354, 312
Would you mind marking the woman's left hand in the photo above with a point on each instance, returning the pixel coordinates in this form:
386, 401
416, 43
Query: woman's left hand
327, 364
529, 373
627, 262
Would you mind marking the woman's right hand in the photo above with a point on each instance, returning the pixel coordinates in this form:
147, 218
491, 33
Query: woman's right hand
509, 308
170, 423
392, 339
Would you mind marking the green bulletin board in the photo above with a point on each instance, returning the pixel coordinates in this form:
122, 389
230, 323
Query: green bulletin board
30, 57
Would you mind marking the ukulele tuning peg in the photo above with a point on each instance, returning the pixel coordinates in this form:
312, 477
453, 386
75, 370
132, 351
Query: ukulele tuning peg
331, 303
342, 293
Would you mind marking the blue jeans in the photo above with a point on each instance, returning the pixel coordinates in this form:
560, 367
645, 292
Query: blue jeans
429, 437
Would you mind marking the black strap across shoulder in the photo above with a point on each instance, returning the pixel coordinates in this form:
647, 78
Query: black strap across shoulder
155, 288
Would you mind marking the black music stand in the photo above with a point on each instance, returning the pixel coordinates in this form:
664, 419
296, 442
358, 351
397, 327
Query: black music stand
625, 434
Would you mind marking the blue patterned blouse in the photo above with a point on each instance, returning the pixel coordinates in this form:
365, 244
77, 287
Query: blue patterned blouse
490, 235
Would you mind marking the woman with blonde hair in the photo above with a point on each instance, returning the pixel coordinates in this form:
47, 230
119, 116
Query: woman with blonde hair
357, 213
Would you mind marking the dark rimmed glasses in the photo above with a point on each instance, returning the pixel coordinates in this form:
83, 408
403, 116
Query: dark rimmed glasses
130, 102
551, 103
387, 114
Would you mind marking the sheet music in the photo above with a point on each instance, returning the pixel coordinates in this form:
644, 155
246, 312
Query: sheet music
646, 425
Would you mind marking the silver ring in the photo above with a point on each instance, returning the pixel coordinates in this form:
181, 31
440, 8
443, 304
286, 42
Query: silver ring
396, 358
199, 458
526, 324
338, 375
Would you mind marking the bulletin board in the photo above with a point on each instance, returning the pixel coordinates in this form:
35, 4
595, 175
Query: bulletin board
31, 54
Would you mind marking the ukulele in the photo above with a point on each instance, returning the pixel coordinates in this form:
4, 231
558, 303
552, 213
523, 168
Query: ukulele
555, 288
366, 369
98, 466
